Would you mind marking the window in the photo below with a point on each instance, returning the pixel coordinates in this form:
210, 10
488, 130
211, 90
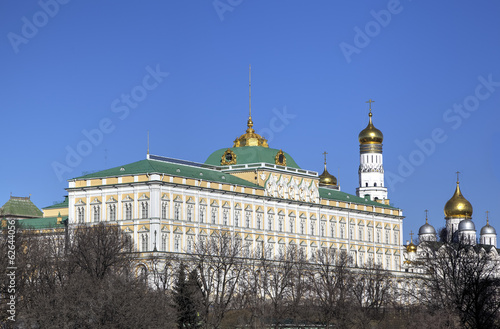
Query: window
81, 214
292, 225
396, 240
375, 184
177, 211
247, 220
164, 209
237, 218
351, 232
189, 247
144, 209
189, 213
164, 238
387, 238
360, 258
360, 233
214, 215
396, 262
202, 214
322, 229
369, 235
370, 258
302, 226
128, 210
270, 222
259, 221
97, 213
313, 224
332, 230
177, 243
342, 230
379, 233
280, 223
225, 215
112, 212
379, 259
144, 242
387, 262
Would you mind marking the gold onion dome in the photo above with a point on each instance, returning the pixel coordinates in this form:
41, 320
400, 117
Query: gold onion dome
458, 206
370, 135
327, 179
250, 138
411, 247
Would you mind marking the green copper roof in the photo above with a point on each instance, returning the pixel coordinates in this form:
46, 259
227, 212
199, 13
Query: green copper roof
336, 195
20, 207
40, 223
251, 154
64, 204
175, 169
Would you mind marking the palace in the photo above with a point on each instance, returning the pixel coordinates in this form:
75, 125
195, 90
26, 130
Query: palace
258, 193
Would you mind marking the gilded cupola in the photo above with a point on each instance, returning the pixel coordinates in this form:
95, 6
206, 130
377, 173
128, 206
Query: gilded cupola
458, 206
326, 178
370, 135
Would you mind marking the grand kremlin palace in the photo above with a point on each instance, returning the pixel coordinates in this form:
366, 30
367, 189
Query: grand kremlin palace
255, 191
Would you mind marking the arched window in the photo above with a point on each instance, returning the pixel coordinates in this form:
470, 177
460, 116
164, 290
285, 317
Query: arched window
112, 212
81, 215
144, 209
97, 213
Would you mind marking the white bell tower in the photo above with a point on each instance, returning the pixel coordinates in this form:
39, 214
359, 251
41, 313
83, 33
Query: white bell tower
371, 163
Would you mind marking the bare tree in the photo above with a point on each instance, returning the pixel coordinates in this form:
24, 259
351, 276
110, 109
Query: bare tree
332, 284
463, 279
219, 265
373, 294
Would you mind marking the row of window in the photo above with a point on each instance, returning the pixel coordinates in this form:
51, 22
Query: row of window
269, 251
381, 235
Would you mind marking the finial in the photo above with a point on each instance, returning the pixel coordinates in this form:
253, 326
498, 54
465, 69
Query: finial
370, 102
426, 211
458, 177
324, 154
148, 142
487, 219
411, 236
250, 91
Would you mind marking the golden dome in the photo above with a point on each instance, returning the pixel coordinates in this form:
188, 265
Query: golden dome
458, 206
327, 179
411, 247
370, 135
250, 138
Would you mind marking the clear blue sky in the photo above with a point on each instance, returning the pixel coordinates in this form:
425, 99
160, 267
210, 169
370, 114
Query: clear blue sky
65, 68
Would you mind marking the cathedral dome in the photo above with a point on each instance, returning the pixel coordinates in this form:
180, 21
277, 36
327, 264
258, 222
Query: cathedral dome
466, 225
327, 179
411, 247
426, 229
458, 206
370, 135
488, 229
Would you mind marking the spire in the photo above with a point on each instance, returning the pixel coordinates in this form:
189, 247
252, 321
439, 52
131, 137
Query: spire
250, 138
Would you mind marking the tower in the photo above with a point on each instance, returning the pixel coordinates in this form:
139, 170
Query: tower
488, 233
456, 210
371, 166
426, 231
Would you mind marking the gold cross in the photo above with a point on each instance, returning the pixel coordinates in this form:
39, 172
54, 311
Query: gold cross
487, 213
411, 236
324, 153
370, 102
426, 211
458, 173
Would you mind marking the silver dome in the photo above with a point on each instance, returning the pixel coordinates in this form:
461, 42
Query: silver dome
488, 229
426, 229
466, 225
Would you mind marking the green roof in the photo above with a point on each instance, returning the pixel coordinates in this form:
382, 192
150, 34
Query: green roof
251, 154
20, 207
40, 223
169, 168
64, 204
331, 194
